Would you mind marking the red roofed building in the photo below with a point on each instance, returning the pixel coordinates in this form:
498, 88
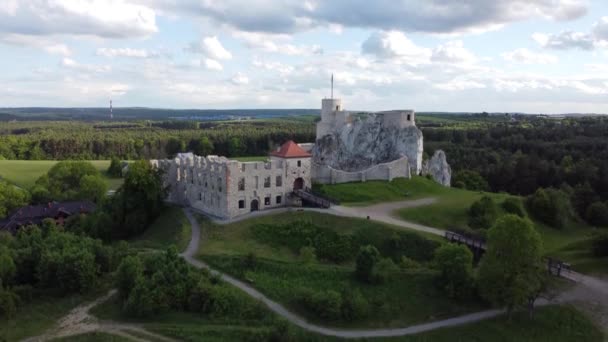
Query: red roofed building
35, 214
290, 150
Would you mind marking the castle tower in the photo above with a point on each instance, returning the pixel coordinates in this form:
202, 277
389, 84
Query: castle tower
329, 108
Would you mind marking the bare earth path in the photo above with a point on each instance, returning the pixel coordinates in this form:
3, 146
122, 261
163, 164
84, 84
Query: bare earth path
79, 321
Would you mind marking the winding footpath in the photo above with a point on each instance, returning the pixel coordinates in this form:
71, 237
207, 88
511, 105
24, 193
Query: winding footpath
190, 256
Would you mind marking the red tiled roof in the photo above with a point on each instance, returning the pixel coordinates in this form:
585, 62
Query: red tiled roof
290, 150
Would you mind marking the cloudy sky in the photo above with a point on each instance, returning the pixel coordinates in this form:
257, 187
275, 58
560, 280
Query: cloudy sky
547, 56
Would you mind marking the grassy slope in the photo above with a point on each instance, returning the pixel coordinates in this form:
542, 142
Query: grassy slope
170, 228
549, 324
410, 298
571, 244
25, 172
251, 159
357, 194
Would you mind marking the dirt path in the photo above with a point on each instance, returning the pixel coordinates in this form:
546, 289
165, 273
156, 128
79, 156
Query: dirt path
190, 256
79, 321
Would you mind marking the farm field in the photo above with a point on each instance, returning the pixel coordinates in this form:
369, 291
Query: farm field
24, 173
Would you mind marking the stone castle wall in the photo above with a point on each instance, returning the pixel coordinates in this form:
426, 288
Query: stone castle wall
325, 174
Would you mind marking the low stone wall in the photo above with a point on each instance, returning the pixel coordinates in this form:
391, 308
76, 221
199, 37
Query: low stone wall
387, 171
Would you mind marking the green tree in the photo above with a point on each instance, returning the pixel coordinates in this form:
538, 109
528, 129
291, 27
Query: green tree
366, 260
455, 262
513, 205
11, 198
115, 169
354, 305
7, 266
483, 213
129, 270
600, 245
597, 214
92, 187
236, 148
204, 146
65, 179
510, 272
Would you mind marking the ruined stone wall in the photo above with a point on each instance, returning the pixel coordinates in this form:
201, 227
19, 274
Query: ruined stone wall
387, 171
227, 188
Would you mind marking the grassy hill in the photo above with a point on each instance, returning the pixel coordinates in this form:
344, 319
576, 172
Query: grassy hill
24, 173
571, 244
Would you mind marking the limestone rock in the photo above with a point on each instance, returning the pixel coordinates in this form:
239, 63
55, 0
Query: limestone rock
367, 142
438, 168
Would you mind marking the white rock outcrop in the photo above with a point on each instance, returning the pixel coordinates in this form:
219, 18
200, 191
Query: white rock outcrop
438, 168
369, 141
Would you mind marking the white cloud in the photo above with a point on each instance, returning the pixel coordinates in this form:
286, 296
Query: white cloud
600, 29
395, 45
58, 49
565, 40
109, 19
460, 85
276, 43
453, 52
70, 63
211, 47
125, 52
45, 44
526, 56
212, 64
240, 79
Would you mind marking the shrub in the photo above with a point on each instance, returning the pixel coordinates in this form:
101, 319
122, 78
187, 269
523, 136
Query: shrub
513, 205
115, 169
455, 262
384, 271
597, 214
600, 245
8, 303
409, 244
408, 264
550, 206
366, 260
354, 305
250, 261
483, 213
470, 180
307, 255
327, 304
140, 302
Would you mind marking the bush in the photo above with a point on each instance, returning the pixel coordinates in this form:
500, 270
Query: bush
597, 214
455, 262
354, 305
384, 271
129, 270
8, 303
513, 205
550, 206
325, 304
328, 244
470, 180
307, 255
483, 213
409, 244
600, 245
115, 169
408, 264
366, 260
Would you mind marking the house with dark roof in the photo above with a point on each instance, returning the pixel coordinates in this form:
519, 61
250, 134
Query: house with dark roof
35, 214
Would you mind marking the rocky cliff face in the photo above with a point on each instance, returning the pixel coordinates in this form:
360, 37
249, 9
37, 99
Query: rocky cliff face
366, 142
438, 168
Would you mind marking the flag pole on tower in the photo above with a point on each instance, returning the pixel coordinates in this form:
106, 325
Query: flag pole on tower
332, 86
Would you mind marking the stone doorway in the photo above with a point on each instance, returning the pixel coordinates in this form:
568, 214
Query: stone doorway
255, 205
298, 184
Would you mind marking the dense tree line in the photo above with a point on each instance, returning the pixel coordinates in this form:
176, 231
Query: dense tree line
80, 140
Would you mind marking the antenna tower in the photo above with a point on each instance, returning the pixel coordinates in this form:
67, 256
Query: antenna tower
111, 115
332, 86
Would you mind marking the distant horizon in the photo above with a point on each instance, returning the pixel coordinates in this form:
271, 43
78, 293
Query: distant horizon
288, 109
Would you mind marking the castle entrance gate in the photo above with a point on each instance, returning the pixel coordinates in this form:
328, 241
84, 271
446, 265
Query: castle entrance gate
255, 205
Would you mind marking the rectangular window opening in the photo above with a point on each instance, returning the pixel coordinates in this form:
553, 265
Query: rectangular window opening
241, 204
279, 199
267, 200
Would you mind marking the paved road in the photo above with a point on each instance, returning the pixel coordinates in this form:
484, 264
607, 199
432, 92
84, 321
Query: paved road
190, 255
